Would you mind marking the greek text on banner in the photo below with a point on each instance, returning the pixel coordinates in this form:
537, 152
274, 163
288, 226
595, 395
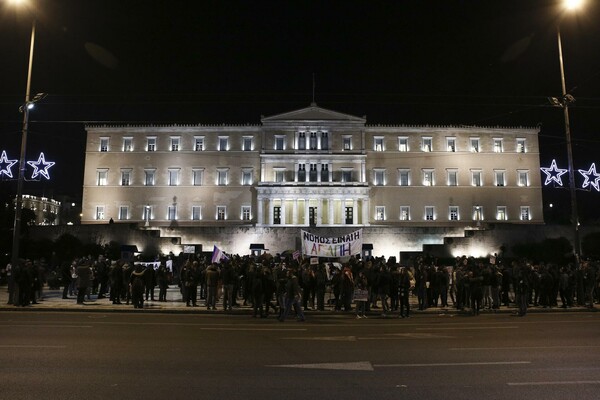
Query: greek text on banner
340, 246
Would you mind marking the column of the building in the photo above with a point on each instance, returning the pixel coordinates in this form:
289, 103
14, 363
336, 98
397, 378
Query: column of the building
354, 212
365, 211
331, 211
270, 210
363, 171
319, 171
283, 212
296, 171
262, 171
306, 219
319, 212
295, 212
259, 212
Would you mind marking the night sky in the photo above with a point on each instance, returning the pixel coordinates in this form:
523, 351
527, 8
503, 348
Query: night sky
445, 62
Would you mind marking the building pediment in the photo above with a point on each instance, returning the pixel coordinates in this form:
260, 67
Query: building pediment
313, 113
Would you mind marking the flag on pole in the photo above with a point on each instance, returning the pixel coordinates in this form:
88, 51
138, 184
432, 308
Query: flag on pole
218, 255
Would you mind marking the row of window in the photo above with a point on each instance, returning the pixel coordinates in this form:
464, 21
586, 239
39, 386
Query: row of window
174, 177
429, 214
380, 177
172, 213
315, 141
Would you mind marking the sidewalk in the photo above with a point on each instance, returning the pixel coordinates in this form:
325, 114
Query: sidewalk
52, 301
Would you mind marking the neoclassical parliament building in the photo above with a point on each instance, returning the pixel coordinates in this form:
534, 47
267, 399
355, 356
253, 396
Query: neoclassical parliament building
313, 169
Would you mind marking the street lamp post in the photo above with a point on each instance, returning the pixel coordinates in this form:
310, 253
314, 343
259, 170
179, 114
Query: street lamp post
566, 100
25, 110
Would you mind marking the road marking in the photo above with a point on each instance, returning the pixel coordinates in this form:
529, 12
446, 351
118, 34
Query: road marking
452, 364
326, 338
553, 383
460, 328
29, 346
351, 366
520, 348
48, 326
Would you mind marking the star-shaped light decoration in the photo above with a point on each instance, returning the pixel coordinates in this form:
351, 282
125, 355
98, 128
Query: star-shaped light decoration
43, 170
595, 182
553, 173
6, 165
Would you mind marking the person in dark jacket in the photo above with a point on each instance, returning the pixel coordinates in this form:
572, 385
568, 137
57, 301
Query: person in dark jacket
65, 275
162, 278
84, 272
150, 283
137, 283
116, 282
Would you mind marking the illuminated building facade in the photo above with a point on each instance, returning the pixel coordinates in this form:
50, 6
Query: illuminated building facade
314, 169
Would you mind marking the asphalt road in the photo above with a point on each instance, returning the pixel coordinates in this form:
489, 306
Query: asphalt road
47, 355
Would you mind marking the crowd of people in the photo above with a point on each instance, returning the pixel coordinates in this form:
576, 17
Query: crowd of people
283, 285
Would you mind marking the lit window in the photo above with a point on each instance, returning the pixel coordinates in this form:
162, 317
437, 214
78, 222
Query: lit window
379, 177
147, 213
429, 213
378, 143
475, 145
525, 213
452, 177
102, 177
125, 177
523, 177
199, 143
279, 142
151, 144
501, 213
221, 213
347, 142
127, 144
172, 213
403, 177
222, 177
428, 177
521, 146
175, 141
247, 143
246, 213
380, 213
453, 213
402, 143
427, 144
99, 212
477, 213
196, 213
313, 141
174, 177
123, 212
404, 213
500, 178
277, 215
223, 143
301, 140
104, 143
476, 178
197, 176
451, 144
246, 177
498, 145
149, 175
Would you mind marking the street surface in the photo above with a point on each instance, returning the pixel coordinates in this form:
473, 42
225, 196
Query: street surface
81, 355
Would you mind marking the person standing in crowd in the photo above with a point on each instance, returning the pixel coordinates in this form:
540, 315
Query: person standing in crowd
522, 285
116, 282
127, 271
405, 285
212, 281
475, 284
228, 277
422, 283
347, 288
84, 274
10, 277
321, 286
102, 276
293, 297
137, 282
269, 290
150, 282
361, 285
258, 293
162, 278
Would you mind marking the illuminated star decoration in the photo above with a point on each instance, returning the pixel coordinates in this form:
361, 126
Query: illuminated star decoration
553, 173
588, 174
43, 170
6, 165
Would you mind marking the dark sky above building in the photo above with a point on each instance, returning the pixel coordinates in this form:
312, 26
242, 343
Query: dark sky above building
445, 62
